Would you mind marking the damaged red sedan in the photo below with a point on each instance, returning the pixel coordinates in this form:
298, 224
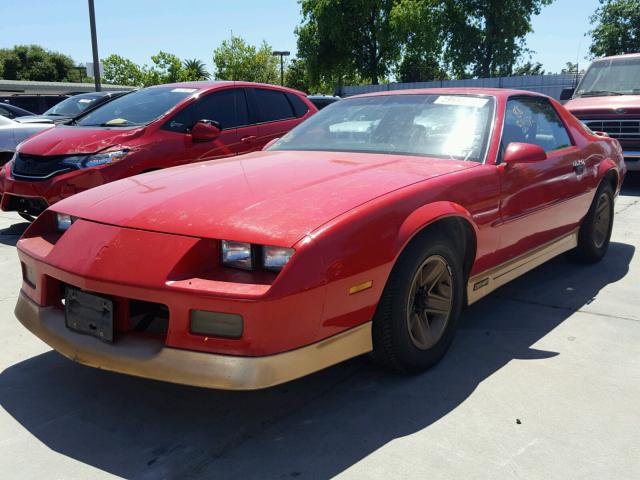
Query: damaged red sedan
365, 229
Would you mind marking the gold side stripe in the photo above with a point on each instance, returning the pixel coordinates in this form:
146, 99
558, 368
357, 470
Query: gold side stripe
486, 282
360, 287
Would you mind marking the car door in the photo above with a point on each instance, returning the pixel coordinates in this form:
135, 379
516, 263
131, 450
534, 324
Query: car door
228, 107
275, 114
541, 201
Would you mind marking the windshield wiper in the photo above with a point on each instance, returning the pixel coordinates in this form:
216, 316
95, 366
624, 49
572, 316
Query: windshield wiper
109, 124
596, 93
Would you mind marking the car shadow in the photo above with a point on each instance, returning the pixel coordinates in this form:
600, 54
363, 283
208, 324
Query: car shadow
11, 234
315, 427
631, 185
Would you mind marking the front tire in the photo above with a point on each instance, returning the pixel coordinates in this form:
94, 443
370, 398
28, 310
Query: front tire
595, 231
419, 309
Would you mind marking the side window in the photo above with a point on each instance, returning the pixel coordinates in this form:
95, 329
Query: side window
534, 120
299, 107
228, 107
273, 105
5, 112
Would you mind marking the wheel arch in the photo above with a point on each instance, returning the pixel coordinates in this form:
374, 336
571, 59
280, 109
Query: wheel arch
607, 172
448, 217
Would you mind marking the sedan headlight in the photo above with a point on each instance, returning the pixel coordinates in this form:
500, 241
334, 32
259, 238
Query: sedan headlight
86, 161
275, 258
237, 254
64, 221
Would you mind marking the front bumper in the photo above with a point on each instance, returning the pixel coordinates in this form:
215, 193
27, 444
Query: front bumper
150, 358
15, 194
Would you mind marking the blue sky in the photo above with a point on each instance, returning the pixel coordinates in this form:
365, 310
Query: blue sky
138, 29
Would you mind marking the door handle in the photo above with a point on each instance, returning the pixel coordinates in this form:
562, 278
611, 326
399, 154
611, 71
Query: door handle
248, 139
579, 166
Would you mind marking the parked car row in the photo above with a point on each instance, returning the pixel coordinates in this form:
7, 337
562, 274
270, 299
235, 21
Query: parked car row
148, 129
366, 227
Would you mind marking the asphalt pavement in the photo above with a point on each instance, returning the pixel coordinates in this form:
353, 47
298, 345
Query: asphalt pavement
542, 382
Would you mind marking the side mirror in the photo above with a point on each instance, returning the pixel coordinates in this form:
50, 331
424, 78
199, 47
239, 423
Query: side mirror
205, 131
523, 153
566, 93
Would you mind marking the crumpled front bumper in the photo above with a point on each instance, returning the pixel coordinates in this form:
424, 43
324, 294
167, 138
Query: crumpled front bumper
150, 358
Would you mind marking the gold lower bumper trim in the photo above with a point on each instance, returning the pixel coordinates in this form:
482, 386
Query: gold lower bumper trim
152, 359
486, 282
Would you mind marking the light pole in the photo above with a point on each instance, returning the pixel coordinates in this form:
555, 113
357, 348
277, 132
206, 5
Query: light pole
281, 54
94, 46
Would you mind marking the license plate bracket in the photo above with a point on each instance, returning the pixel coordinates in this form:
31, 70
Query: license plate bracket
89, 313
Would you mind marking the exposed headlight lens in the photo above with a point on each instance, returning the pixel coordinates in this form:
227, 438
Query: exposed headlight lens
237, 254
274, 258
64, 221
86, 161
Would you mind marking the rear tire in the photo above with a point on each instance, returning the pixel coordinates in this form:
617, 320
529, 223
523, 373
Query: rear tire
419, 309
595, 231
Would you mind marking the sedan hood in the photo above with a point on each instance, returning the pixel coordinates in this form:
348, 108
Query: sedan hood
37, 119
606, 105
272, 198
70, 140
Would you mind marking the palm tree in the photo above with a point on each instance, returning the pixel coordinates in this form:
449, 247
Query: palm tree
196, 69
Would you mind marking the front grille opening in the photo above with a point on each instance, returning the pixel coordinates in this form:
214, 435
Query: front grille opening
148, 317
26, 205
38, 167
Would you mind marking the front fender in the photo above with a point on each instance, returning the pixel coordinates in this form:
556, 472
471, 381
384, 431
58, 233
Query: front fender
425, 216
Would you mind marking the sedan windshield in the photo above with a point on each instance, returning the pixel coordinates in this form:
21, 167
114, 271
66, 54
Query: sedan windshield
72, 106
137, 108
611, 77
443, 126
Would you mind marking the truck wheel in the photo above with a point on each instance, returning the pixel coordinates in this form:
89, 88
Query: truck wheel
595, 231
418, 312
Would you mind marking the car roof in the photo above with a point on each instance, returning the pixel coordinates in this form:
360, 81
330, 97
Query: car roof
212, 84
494, 92
612, 57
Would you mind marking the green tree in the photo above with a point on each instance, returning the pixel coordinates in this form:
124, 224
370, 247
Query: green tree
166, 68
485, 38
616, 28
296, 76
194, 69
32, 62
418, 24
570, 68
122, 71
339, 39
529, 68
236, 60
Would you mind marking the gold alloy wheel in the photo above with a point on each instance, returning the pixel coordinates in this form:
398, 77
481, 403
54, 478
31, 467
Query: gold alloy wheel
430, 302
602, 220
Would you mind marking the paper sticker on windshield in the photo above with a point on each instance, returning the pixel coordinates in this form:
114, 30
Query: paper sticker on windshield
461, 101
84, 100
184, 90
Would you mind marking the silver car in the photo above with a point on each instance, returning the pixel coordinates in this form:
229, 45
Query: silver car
12, 133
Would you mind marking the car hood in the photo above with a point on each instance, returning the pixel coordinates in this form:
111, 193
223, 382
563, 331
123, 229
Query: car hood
606, 105
38, 119
272, 198
69, 140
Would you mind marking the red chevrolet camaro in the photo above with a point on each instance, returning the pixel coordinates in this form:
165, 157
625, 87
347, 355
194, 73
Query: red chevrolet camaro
365, 229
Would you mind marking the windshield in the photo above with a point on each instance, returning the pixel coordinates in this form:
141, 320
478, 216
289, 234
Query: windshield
443, 126
610, 77
72, 106
137, 108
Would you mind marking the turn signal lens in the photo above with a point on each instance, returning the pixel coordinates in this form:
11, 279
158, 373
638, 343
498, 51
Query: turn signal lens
275, 258
64, 221
237, 254
216, 324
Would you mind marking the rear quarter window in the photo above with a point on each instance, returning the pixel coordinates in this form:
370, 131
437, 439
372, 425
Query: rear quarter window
299, 107
272, 105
